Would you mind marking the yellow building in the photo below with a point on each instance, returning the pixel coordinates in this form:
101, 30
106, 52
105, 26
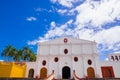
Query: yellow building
12, 69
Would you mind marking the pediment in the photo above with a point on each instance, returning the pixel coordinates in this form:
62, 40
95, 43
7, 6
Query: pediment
67, 40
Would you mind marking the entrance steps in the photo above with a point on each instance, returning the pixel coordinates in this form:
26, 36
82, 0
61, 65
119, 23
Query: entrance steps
92, 79
64, 79
60, 79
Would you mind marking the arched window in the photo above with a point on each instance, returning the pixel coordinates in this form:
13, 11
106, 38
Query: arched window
112, 58
116, 58
31, 73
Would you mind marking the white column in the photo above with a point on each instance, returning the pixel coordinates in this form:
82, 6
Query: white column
48, 61
95, 64
83, 65
59, 70
38, 67
72, 65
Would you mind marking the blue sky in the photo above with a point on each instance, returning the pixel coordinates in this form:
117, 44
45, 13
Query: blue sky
27, 22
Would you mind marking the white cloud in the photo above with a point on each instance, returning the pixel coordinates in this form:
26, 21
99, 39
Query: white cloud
34, 42
109, 38
61, 11
53, 32
70, 21
38, 10
98, 13
31, 18
71, 12
52, 24
53, 1
108, 35
58, 30
65, 3
84, 34
93, 15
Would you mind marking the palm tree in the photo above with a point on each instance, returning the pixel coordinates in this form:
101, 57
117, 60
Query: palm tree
8, 52
32, 57
24, 54
27, 54
18, 55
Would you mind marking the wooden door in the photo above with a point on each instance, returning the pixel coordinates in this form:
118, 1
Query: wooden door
90, 72
107, 72
43, 73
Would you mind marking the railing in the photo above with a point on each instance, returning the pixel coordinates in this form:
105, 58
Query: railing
75, 76
103, 79
51, 76
78, 78
60, 79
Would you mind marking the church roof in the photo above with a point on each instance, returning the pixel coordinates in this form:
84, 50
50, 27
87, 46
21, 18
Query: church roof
67, 40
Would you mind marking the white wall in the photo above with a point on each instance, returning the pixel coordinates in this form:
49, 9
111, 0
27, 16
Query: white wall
31, 65
82, 49
115, 65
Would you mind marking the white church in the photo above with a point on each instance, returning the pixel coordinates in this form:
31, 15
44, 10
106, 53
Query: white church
68, 58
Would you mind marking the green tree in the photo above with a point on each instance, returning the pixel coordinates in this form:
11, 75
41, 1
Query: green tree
18, 55
32, 57
24, 54
27, 54
8, 52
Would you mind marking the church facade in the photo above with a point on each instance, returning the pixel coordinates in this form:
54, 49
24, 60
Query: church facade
66, 55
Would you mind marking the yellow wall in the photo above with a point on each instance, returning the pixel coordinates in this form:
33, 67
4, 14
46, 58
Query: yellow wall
12, 70
5, 69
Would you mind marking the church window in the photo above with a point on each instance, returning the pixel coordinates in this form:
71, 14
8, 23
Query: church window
65, 40
116, 58
112, 58
89, 62
75, 59
44, 63
56, 59
65, 51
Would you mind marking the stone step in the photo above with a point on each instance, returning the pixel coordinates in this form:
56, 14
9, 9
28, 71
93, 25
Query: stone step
63, 79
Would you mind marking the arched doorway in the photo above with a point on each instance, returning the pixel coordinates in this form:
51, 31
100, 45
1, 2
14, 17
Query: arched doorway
66, 73
43, 73
31, 73
90, 72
